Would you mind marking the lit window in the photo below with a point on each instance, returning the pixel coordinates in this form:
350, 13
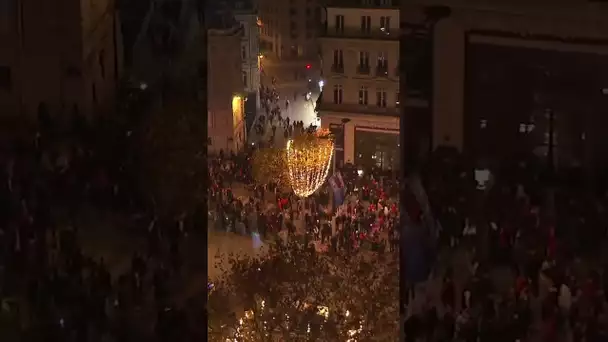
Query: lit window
338, 93
363, 95
526, 127
381, 98
522, 128
483, 123
530, 127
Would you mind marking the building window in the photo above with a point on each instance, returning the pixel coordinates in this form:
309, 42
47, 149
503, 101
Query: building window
338, 64
363, 95
245, 83
338, 93
366, 24
385, 24
244, 52
363, 67
339, 24
94, 93
385, 2
382, 60
6, 82
381, 98
483, 123
526, 128
308, 12
102, 64
382, 64
546, 138
293, 11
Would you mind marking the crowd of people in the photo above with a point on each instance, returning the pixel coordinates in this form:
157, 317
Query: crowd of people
516, 261
512, 261
276, 118
238, 204
51, 289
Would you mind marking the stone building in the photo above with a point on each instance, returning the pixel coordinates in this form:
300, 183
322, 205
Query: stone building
225, 95
289, 28
246, 14
58, 59
360, 100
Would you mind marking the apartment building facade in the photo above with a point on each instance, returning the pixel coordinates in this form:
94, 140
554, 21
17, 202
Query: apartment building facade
247, 16
360, 100
289, 28
225, 95
58, 59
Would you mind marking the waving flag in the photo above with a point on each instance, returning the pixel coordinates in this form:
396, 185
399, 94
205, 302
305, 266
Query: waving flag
337, 184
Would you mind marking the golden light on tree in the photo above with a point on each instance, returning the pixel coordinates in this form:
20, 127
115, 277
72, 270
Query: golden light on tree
291, 293
308, 161
269, 165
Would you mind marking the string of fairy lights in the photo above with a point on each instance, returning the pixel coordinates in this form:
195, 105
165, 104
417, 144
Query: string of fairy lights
245, 331
308, 161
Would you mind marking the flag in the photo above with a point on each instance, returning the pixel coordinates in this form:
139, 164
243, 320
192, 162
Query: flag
340, 181
337, 184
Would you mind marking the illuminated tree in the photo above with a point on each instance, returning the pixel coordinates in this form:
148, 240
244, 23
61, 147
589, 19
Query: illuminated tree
172, 152
293, 293
308, 161
270, 165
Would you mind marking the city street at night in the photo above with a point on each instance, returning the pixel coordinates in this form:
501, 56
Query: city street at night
290, 171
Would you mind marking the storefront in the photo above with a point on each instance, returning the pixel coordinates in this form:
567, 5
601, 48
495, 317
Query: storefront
376, 149
365, 140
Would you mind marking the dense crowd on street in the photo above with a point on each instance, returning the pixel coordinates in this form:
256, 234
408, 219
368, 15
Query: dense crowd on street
276, 118
237, 204
508, 260
515, 260
364, 217
49, 288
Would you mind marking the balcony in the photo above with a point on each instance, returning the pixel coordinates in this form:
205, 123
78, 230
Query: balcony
363, 69
351, 108
356, 33
337, 68
381, 71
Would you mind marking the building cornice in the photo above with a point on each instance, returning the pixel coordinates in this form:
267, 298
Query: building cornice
563, 18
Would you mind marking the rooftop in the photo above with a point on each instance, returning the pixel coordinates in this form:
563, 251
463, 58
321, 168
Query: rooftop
232, 5
364, 3
218, 16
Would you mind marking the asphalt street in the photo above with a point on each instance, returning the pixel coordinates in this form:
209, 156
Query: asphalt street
299, 109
